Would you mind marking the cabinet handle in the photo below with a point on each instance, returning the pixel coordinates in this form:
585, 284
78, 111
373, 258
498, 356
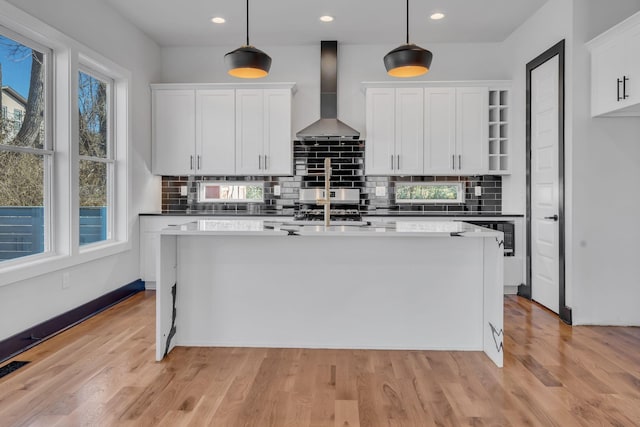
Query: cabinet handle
624, 87
265, 162
198, 161
398, 161
618, 81
453, 161
259, 161
191, 162
459, 161
392, 162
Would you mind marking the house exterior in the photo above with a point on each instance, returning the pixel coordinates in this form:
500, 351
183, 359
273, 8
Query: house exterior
13, 109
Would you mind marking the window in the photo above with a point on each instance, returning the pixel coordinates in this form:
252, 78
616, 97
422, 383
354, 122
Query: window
96, 159
26, 155
220, 192
433, 192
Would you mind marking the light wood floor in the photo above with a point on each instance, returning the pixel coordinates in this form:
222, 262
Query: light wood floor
102, 372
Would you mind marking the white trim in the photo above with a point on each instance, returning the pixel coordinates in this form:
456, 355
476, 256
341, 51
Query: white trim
195, 86
491, 84
66, 55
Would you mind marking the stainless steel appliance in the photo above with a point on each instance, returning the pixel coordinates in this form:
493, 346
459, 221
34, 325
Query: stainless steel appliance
344, 201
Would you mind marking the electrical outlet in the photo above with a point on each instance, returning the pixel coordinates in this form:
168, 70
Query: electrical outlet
183, 190
478, 191
276, 190
381, 191
66, 281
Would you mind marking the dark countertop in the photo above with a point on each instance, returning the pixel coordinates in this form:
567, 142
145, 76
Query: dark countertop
364, 214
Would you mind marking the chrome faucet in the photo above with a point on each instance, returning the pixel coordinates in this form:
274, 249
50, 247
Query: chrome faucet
326, 201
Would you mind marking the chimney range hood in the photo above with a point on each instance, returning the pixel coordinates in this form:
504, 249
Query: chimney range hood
328, 126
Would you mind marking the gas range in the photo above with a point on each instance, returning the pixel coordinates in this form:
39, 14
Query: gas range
345, 205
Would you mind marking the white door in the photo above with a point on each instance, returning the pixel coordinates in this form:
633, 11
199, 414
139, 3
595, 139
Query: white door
215, 132
174, 128
249, 131
379, 148
409, 131
545, 250
278, 143
439, 130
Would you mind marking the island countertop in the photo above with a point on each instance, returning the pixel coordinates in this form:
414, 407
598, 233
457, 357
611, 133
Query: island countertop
255, 227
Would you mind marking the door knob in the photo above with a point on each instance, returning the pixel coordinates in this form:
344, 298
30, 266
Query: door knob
555, 217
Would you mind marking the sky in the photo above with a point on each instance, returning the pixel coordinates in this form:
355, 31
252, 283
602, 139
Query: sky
15, 73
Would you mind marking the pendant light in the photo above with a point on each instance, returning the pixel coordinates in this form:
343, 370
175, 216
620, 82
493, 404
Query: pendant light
247, 62
408, 60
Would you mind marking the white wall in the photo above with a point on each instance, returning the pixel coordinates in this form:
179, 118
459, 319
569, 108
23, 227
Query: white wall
602, 161
606, 170
91, 22
356, 63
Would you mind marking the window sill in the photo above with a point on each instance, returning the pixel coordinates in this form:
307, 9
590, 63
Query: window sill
39, 265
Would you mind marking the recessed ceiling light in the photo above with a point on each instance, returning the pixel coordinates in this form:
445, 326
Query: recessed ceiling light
437, 15
218, 20
326, 18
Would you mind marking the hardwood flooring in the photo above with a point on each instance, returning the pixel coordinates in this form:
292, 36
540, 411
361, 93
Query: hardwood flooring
102, 373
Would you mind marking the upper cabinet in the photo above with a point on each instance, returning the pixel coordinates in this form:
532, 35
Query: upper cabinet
427, 131
263, 132
214, 129
394, 127
615, 70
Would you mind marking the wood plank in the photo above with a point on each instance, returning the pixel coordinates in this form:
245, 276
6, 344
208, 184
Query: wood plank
102, 372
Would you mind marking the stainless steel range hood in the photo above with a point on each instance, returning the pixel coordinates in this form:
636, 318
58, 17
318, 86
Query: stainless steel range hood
328, 126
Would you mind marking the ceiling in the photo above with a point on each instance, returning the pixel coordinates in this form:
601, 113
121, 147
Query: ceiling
296, 22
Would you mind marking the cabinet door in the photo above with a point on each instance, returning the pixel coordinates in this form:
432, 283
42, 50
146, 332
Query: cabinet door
607, 66
439, 131
380, 131
632, 50
471, 130
277, 133
249, 131
409, 131
173, 132
215, 132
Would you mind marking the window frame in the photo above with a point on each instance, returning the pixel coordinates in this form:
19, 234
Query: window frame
66, 56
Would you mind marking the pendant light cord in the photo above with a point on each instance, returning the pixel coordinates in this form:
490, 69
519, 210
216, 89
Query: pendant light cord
248, 21
407, 21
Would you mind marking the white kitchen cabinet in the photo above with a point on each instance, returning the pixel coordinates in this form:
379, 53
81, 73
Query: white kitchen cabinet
395, 131
215, 132
193, 132
455, 131
174, 116
197, 129
615, 70
472, 108
439, 130
263, 132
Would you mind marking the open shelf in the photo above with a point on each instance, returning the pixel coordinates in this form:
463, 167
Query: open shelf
498, 131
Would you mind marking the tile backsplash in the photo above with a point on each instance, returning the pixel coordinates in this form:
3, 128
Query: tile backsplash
347, 160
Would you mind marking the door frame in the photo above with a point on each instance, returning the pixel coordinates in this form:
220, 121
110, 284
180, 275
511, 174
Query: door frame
524, 290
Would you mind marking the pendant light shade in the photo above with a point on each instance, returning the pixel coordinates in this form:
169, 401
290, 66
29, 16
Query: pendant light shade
408, 60
248, 62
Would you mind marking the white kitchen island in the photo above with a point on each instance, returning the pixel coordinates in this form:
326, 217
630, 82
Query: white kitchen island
421, 285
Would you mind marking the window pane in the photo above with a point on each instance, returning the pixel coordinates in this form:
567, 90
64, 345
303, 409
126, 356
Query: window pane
21, 205
93, 201
430, 193
92, 105
23, 89
230, 192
